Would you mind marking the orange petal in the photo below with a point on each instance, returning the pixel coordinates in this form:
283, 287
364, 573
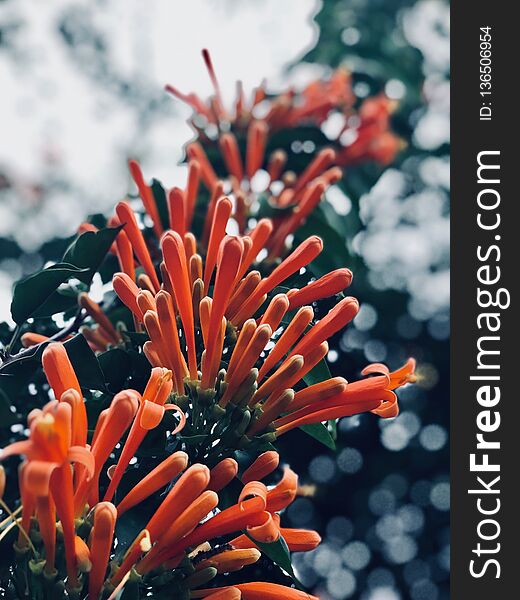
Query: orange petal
83, 456
226, 273
231, 153
292, 332
189, 486
208, 175
235, 518
177, 210
151, 415
127, 291
300, 540
318, 392
265, 464
29, 339
279, 379
220, 220
147, 196
322, 161
37, 476
94, 310
335, 320
62, 493
175, 259
163, 474
222, 474
243, 290
305, 253
169, 328
268, 532
105, 516
125, 254
284, 492
58, 369
256, 141
79, 416
328, 285
46, 514
275, 312
192, 188
82, 555
127, 218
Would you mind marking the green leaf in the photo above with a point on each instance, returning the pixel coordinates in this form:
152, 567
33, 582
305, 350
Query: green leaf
318, 373
89, 249
319, 432
85, 363
136, 337
33, 291
160, 200
116, 367
7, 416
279, 553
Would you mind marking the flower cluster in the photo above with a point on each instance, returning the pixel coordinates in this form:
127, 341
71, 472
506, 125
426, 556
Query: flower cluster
181, 546
364, 133
232, 339
210, 321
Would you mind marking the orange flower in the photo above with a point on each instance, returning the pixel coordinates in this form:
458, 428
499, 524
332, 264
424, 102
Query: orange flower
131, 228
111, 426
328, 285
149, 415
94, 310
105, 516
156, 479
146, 196
256, 591
58, 370
231, 560
374, 394
305, 253
265, 464
222, 474
49, 452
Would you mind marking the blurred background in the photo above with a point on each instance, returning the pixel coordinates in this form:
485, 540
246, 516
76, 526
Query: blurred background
82, 90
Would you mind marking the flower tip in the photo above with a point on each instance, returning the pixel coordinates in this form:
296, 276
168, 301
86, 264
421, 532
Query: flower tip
135, 171
2, 477
82, 555
315, 240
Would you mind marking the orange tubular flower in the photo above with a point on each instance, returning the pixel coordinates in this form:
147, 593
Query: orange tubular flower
94, 310
105, 516
165, 472
146, 196
131, 228
231, 560
265, 464
230, 593
328, 285
58, 370
222, 474
297, 540
149, 415
374, 394
257, 591
175, 261
49, 452
111, 426
306, 252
